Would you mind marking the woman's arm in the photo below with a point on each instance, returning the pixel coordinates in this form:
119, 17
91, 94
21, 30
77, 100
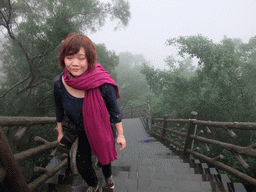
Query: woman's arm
58, 107
109, 95
120, 140
60, 133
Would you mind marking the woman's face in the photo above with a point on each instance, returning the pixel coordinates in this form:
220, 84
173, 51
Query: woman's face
76, 64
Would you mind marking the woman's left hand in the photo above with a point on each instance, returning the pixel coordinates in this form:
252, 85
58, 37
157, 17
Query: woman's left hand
121, 141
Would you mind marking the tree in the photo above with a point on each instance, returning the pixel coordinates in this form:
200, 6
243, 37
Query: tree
35, 30
173, 95
108, 59
132, 84
223, 90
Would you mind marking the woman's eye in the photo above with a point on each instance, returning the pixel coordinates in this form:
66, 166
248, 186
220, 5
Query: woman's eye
69, 57
81, 59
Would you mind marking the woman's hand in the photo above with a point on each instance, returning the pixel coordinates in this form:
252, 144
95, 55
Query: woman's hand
60, 136
120, 140
60, 133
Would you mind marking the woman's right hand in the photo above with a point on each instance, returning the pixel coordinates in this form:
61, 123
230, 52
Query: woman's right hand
60, 136
60, 133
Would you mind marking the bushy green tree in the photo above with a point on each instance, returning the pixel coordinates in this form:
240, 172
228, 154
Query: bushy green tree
221, 88
108, 59
133, 85
35, 30
171, 88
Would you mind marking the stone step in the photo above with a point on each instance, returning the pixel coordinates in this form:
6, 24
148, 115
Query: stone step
158, 182
148, 165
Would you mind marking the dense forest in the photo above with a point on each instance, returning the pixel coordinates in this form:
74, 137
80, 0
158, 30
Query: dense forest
220, 86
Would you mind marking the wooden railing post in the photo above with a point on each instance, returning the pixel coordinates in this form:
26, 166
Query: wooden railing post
148, 115
131, 110
148, 108
152, 121
164, 126
191, 130
14, 178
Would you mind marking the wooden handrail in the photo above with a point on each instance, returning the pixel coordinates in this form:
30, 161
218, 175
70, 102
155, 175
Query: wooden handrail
136, 111
186, 144
19, 184
9, 168
191, 135
25, 121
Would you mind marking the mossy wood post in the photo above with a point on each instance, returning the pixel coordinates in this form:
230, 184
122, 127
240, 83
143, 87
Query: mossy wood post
191, 131
164, 126
14, 179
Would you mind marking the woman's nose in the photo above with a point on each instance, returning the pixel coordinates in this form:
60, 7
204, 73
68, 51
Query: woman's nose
75, 62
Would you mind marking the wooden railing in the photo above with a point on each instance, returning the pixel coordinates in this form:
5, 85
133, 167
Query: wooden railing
139, 111
161, 130
10, 174
136, 111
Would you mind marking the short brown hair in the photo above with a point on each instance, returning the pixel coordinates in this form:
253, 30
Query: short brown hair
72, 45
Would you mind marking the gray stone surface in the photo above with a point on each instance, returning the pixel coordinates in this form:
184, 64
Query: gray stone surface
146, 165
152, 166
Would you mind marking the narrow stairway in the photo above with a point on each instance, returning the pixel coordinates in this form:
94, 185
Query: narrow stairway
144, 165
150, 166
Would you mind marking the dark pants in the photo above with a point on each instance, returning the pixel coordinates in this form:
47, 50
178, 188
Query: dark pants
84, 162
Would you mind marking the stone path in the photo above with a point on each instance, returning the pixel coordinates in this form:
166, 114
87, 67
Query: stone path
147, 165
144, 165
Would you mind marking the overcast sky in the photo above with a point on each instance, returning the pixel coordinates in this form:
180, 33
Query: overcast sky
155, 21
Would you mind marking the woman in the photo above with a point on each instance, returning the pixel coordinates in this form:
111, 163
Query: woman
86, 94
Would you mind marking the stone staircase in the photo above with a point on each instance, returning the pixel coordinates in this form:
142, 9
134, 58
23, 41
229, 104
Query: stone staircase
147, 165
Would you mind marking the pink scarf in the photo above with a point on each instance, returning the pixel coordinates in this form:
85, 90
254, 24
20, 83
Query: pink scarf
95, 114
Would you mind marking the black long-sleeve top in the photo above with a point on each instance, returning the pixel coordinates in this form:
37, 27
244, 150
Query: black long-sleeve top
71, 106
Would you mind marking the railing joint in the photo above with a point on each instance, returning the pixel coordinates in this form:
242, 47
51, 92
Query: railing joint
200, 133
196, 149
218, 158
208, 130
19, 134
230, 132
53, 153
40, 170
41, 140
240, 159
206, 147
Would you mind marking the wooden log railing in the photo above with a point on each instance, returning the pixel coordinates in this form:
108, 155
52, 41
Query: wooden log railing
176, 135
10, 173
136, 111
139, 111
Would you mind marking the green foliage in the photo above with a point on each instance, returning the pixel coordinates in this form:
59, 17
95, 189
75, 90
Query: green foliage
35, 30
174, 89
221, 88
218, 89
133, 86
108, 59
